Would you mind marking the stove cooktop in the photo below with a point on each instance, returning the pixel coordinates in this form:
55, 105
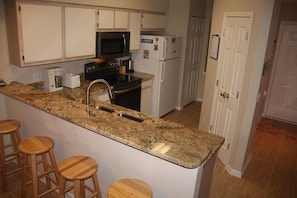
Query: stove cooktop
109, 73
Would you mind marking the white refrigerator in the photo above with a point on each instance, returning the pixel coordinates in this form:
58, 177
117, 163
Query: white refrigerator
160, 56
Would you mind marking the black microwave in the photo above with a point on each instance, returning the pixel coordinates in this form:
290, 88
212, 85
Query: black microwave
112, 44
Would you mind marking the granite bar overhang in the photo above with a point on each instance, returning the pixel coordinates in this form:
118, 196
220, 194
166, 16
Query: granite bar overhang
170, 141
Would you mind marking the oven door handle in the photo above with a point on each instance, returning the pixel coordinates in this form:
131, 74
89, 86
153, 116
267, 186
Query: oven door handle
126, 90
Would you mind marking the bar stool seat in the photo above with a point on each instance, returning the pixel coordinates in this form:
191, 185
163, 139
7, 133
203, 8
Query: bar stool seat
39, 149
78, 169
9, 150
129, 188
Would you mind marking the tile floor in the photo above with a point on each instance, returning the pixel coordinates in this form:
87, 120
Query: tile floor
272, 172
273, 169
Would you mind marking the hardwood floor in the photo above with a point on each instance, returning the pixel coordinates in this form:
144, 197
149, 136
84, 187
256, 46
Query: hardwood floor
273, 169
272, 172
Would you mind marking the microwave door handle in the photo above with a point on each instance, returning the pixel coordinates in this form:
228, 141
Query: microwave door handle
125, 42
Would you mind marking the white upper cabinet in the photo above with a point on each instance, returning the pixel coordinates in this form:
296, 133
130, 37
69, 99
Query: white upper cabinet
40, 33
134, 28
121, 19
105, 19
49, 33
80, 32
153, 21
112, 19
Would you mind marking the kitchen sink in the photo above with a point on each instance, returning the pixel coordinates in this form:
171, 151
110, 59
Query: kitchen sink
119, 113
130, 117
110, 110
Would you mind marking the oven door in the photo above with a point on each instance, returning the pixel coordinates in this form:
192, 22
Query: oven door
128, 97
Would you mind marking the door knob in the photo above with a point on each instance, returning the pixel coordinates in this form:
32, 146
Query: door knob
225, 95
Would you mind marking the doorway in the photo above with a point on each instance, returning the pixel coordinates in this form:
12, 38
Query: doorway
282, 100
194, 59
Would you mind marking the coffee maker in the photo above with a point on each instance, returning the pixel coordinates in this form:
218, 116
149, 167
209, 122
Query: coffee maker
129, 65
53, 79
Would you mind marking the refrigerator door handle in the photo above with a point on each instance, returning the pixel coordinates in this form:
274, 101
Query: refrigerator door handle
162, 72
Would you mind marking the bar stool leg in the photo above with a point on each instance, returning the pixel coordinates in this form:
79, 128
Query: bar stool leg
16, 139
96, 185
3, 165
34, 175
62, 187
77, 189
24, 175
46, 169
54, 165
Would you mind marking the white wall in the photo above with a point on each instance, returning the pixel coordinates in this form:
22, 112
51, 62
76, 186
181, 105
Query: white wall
260, 30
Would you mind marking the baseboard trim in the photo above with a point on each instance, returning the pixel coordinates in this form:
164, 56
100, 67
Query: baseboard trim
233, 172
237, 173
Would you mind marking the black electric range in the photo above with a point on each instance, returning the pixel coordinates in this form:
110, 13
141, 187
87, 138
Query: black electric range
126, 88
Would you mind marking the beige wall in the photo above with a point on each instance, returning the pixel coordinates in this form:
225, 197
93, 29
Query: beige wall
262, 10
178, 24
178, 14
5, 72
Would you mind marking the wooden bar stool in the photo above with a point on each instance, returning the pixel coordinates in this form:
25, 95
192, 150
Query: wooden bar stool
129, 188
39, 150
78, 169
9, 150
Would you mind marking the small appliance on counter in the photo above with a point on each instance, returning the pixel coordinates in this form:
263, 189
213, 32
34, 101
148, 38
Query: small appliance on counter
129, 65
71, 80
53, 79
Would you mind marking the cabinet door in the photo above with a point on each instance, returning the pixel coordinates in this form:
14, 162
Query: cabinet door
80, 32
153, 21
134, 28
105, 19
146, 94
41, 32
121, 19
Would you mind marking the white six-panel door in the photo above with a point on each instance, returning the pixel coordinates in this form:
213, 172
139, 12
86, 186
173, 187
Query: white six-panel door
231, 67
193, 59
282, 101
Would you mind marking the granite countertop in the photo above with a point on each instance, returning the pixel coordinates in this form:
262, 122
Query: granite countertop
167, 140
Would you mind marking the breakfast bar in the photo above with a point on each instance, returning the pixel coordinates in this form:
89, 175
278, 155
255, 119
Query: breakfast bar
175, 161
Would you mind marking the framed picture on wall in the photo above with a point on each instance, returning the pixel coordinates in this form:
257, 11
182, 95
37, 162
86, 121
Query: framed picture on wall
214, 46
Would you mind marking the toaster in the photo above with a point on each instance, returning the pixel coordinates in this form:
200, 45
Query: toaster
71, 80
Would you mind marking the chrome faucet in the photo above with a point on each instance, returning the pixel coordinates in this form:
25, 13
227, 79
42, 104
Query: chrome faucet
110, 91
